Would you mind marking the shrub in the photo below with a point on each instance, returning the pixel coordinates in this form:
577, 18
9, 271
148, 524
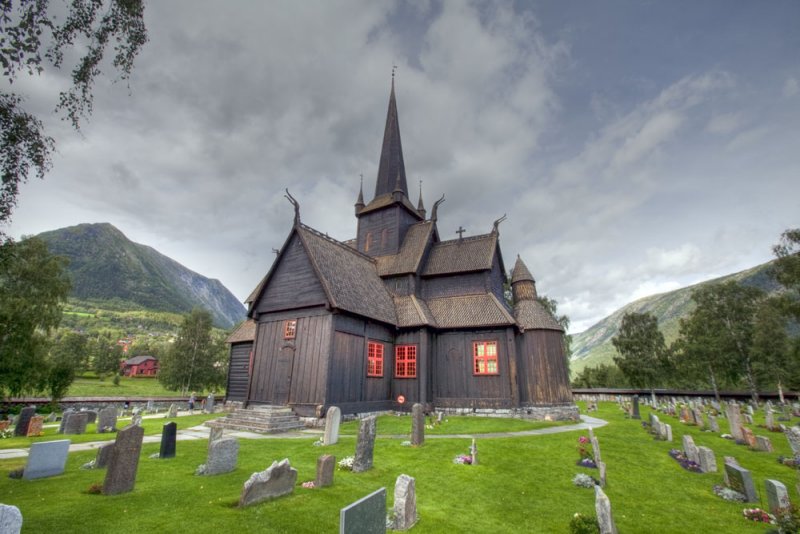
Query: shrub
584, 524
788, 520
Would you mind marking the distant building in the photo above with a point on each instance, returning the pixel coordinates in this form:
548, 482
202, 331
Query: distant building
140, 366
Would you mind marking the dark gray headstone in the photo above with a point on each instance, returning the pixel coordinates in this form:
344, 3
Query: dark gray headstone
121, 473
215, 433
741, 480
707, 460
365, 516
325, 469
602, 508
769, 419
76, 423
64, 417
91, 416
365, 445
23, 420
46, 459
223, 454
777, 496
763, 443
210, 403
107, 419
276, 481
690, 449
635, 411
333, 419
168, 435
601, 473
793, 435
417, 424
405, 503
734, 420
103, 455
173, 411
10, 519
713, 424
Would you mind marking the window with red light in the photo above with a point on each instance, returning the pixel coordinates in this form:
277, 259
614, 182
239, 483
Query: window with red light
374, 359
290, 329
405, 361
485, 357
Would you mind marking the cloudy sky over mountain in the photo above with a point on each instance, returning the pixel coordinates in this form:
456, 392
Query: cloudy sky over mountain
636, 147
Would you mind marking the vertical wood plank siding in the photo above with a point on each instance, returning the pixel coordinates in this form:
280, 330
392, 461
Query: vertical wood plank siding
393, 220
238, 371
294, 283
546, 379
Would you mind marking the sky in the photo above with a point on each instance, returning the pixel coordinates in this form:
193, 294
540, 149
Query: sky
635, 146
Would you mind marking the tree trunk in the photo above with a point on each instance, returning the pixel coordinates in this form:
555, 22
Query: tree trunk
653, 397
780, 392
751, 382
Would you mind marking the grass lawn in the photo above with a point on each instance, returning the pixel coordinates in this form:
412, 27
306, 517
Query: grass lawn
395, 425
128, 387
522, 484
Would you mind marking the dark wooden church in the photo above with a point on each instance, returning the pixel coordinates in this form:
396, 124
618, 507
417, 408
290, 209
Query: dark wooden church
398, 316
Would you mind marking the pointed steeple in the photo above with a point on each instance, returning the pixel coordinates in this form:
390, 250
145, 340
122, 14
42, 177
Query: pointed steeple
360, 200
523, 286
391, 170
420, 205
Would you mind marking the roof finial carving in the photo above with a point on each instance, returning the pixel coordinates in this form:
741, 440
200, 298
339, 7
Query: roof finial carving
496, 224
360, 200
296, 205
436, 208
460, 233
420, 205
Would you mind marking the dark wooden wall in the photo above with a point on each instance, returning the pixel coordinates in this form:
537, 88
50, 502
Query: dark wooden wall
238, 371
309, 352
496, 278
293, 284
544, 378
454, 285
393, 219
453, 381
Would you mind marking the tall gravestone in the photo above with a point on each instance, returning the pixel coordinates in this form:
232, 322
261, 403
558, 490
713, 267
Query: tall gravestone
713, 424
690, 449
333, 418
777, 495
602, 508
635, 410
215, 433
741, 480
366, 445
405, 503
596, 449
601, 473
223, 454
124, 461
46, 459
735, 421
168, 435
23, 421
325, 469
35, 426
706, 459
277, 480
417, 424
91, 416
64, 417
763, 443
210, 403
103, 455
793, 436
173, 411
365, 516
10, 519
76, 423
107, 419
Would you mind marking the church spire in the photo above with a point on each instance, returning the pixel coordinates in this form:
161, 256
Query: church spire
391, 170
360, 201
523, 286
420, 205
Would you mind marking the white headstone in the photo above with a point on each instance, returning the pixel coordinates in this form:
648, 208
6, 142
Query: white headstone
333, 419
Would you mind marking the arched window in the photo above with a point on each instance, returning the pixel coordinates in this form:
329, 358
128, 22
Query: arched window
368, 242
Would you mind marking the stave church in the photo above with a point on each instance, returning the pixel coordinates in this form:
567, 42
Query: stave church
398, 316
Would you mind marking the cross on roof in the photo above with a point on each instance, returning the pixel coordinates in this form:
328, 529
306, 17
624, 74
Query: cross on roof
460, 232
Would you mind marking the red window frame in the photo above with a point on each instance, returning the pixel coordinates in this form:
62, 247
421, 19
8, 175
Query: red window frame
484, 354
375, 359
405, 361
290, 329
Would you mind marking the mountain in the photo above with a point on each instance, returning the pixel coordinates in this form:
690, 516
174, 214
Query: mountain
593, 346
104, 265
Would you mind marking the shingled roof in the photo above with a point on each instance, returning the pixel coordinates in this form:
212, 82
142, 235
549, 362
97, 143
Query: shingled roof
461, 255
521, 272
136, 360
408, 259
350, 279
468, 311
387, 200
245, 332
413, 311
391, 169
531, 314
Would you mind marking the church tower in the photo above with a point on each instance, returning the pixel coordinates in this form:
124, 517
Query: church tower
382, 224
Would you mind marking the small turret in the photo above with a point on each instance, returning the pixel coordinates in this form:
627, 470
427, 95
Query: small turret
420, 205
523, 286
360, 201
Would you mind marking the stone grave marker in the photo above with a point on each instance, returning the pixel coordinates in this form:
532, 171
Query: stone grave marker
136, 419
215, 433
707, 461
325, 469
405, 503
439, 417
667, 431
690, 449
734, 420
365, 445
602, 508
750, 410
698, 417
124, 461
749, 437
728, 460
91, 416
685, 415
595, 449
333, 418
417, 424
107, 419
763, 443
10, 519
635, 414
46, 459
76, 423
23, 421
365, 516
210, 403
52, 418
777, 495
64, 417
275, 481
741, 480
748, 419
35, 425
793, 435
713, 424
5, 424
103, 455
168, 434
473, 452
173, 411
223, 454
601, 473
769, 420
654, 423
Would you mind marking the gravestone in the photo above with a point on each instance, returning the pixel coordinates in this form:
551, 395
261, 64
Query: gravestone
473, 453
793, 435
667, 432
728, 460
173, 411
64, 417
777, 496
417, 424
365, 516
76, 423
741, 480
713, 424
748, 419
168, 435
601, 472
149, 406
595, 449
698, 417
763, 443
365, 445
405, 503
690, 449
706, 459
654, 423
35, 425
685, 415
23, 421
602, 507
136, 419
325, 466
210, 403
439, 417
91, 416
215, 433
332, 421
46, 459
635, 413
734, 420
222, 456
749, 437
107, 419
103, 455
275, 481
750, 410
769, 420
52, 418
124, 461
10, 519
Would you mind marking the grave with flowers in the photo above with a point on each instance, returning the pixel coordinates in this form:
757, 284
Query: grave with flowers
586, 458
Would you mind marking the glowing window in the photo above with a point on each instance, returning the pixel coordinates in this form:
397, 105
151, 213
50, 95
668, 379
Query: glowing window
485, 357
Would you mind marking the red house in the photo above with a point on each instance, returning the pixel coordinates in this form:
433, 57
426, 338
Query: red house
140, 366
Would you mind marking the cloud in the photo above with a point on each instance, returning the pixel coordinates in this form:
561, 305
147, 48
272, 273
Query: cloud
791, 87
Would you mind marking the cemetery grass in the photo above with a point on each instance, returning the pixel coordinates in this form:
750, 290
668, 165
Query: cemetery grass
395, 425
128, 388
522, 484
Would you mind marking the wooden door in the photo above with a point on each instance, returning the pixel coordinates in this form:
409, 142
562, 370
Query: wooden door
282, 385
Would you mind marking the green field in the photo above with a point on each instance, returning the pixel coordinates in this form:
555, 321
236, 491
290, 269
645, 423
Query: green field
522, 484
128, 387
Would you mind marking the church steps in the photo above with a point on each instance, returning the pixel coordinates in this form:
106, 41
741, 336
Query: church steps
261, 419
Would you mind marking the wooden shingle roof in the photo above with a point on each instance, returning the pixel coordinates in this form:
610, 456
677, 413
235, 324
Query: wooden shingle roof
408, 259
413, 311
245, 332
530, 315
387, 200
468, 311
521, 272
461, 255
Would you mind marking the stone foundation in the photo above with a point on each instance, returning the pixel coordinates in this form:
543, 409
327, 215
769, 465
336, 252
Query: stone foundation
561, 412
